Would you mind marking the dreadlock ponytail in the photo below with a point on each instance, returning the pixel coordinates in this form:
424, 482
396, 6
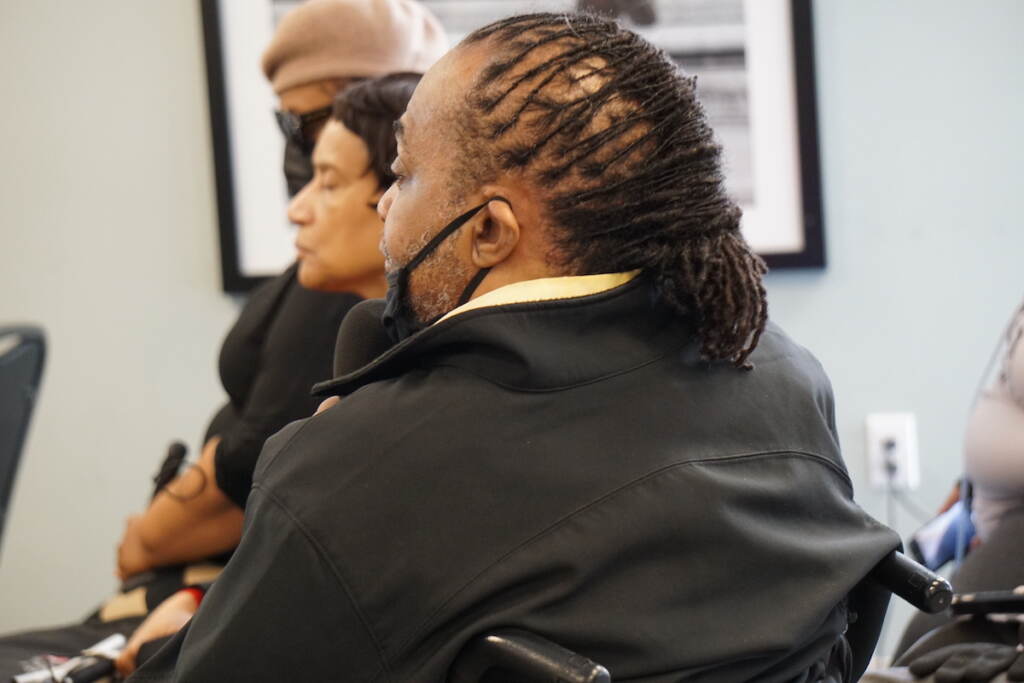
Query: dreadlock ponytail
709, 280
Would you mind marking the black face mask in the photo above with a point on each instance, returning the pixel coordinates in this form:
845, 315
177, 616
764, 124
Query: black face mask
298, 167
398, 318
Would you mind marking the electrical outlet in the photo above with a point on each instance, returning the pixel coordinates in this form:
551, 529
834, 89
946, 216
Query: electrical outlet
892, 451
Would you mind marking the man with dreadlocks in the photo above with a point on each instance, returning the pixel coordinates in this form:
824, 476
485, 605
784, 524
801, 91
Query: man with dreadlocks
580, 422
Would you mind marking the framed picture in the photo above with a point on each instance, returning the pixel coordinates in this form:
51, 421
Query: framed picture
754, 62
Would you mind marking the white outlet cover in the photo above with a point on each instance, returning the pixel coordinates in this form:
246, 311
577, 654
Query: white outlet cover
901, 429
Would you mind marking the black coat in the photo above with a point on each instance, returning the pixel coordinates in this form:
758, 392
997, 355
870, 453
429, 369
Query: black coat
567, 467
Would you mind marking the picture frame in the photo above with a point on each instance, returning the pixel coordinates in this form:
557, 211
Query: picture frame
254, 234
809, 229
754, 62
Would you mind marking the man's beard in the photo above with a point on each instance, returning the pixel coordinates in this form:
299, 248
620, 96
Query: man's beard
436, 283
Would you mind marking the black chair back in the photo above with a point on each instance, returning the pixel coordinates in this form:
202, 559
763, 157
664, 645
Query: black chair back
22, 352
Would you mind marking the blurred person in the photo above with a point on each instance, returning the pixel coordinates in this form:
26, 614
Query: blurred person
339, 235
994, 466
283, 340
338, 242
587, 428
994, 446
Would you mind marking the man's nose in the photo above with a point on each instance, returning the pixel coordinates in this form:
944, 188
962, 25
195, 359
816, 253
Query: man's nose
384, 205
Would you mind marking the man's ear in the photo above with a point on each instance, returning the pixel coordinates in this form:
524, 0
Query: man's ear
495, 234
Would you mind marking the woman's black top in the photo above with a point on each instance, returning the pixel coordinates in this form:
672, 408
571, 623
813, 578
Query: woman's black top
281, 344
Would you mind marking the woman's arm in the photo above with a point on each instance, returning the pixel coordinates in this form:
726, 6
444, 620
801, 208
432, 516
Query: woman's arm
191, 519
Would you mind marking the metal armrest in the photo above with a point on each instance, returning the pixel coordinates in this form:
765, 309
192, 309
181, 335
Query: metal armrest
989, 602
509, 655
921, 587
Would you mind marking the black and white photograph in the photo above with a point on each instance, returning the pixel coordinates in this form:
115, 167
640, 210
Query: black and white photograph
743, 52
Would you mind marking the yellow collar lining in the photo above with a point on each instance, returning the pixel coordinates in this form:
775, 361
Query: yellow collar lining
545, 289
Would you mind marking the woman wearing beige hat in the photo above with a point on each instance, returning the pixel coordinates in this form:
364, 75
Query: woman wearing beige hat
324, 45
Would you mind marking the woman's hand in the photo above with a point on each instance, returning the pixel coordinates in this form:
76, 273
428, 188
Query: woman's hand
189, 520
132, 555
166, 620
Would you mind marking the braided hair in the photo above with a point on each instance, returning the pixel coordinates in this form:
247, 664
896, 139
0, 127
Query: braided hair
613, 137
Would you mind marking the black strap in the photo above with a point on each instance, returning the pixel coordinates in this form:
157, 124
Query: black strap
429, 247
473, 284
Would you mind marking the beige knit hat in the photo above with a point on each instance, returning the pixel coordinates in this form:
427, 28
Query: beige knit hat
322, 39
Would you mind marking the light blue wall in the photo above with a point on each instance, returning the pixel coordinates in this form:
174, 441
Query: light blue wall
921, 121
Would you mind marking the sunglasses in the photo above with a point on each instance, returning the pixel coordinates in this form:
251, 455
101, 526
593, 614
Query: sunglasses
298, 128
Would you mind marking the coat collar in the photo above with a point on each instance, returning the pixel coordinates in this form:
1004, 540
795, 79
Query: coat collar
537, 345
545, 289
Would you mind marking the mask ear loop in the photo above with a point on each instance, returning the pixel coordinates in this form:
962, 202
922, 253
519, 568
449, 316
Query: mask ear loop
442, 235
429, 247
482, 273
473, 284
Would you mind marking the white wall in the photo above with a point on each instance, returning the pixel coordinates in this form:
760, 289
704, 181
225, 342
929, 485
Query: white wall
108, 238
